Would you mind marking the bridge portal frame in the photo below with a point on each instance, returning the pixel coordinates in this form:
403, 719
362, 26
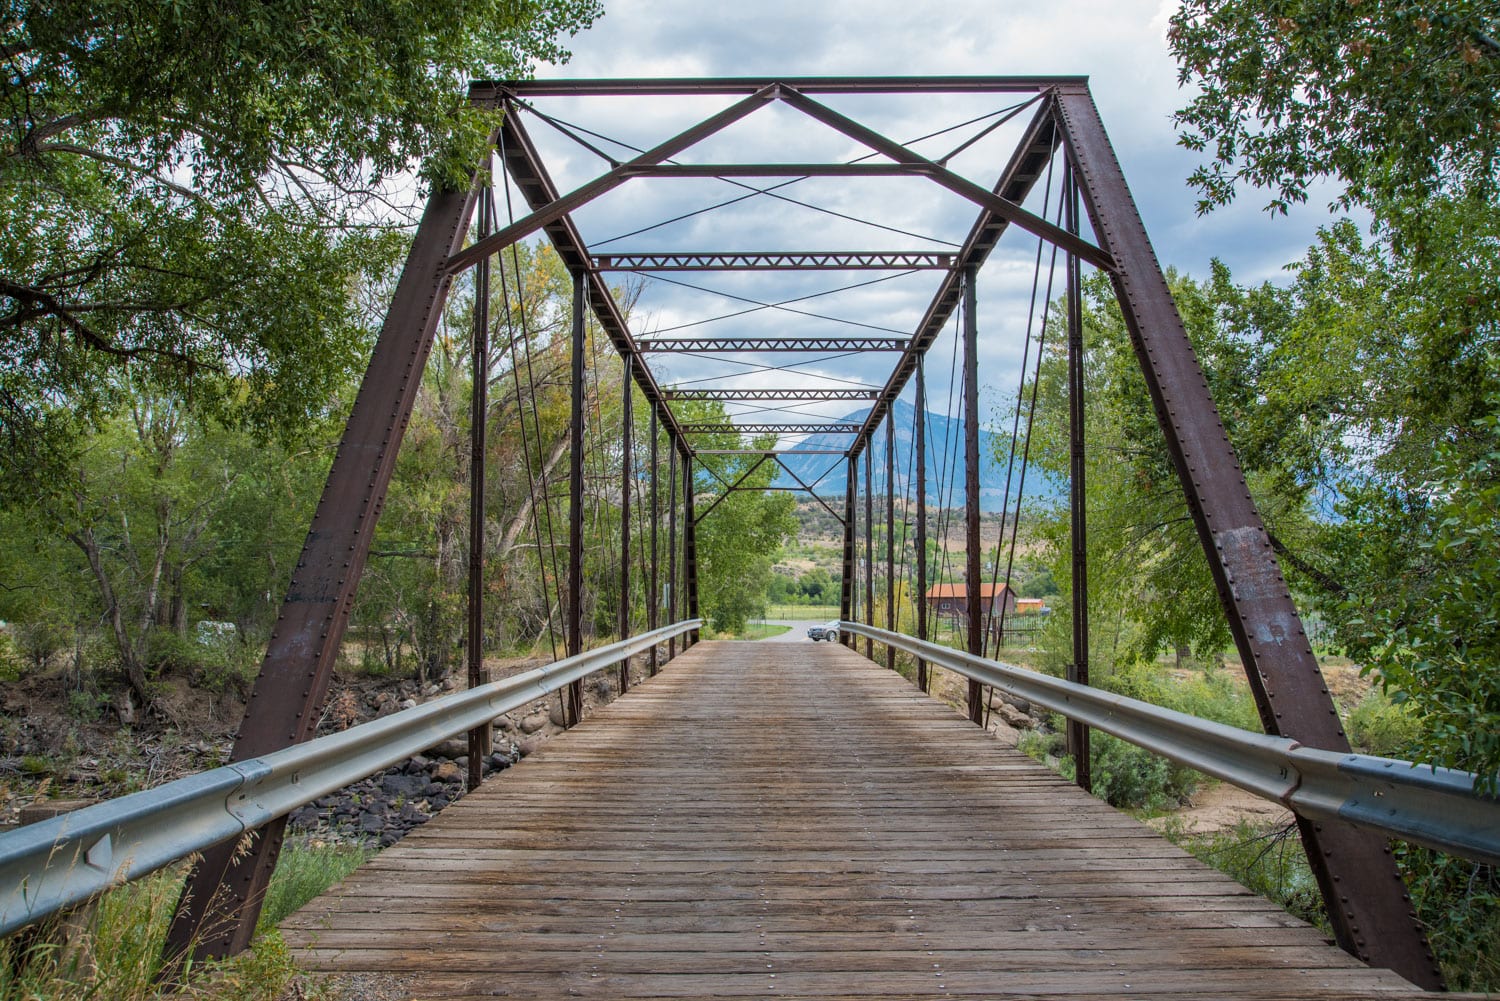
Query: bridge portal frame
1369, 910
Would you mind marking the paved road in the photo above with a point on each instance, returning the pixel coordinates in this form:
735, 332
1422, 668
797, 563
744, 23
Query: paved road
798, 632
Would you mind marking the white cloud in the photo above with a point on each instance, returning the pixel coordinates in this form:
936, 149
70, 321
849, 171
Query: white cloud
1120, 45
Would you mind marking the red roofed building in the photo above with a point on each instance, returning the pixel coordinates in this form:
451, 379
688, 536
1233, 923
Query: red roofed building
953, 599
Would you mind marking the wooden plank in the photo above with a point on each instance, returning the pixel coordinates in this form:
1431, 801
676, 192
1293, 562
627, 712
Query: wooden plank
797, 822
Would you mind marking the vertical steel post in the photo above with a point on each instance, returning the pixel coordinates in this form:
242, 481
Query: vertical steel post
653, 588
848, 584
920, 444
973, 572
480, 736
574, 701
1367, 904
869, 616
222, 899
689, 544
890, 533
672, 588
1078, 670
627, 423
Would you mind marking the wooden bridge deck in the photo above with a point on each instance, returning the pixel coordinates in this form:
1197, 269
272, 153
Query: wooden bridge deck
792, 821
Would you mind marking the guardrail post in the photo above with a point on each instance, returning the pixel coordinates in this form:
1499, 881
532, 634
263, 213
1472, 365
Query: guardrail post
920, 443
847, 583
222, 898
973, 572
480, 738
627, 425
1367, 904
1078, 670
573, 704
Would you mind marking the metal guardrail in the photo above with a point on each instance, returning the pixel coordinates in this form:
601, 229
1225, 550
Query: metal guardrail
56, 863
1436, 807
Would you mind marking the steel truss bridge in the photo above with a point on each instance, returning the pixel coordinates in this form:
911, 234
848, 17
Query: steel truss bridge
867, 844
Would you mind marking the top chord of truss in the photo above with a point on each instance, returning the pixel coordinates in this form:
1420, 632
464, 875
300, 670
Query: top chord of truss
811, 427
756, 345
779, 261
693, 86
771, 394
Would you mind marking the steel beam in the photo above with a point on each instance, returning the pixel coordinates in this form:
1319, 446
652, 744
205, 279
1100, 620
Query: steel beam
673, 591
761, 345
574, 702
653, 586
223, 896
890, 536
869, 555
847, 582
557, 207
1078, 670
1027, 164
770, 394
973, 556
480, 738
524, 165
731, 488
828, 427
802, 485
962, 186
772, 170
920, 444
778, 260
1370, 911
627, 434
689, 543
491, 92
770, 451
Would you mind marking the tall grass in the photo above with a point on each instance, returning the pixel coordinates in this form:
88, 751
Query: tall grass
115, 954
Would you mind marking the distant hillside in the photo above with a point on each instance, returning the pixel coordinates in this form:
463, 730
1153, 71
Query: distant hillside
944, 475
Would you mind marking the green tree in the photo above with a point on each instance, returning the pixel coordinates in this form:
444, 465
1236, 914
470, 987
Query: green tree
187, 195
738, 541
1396, 101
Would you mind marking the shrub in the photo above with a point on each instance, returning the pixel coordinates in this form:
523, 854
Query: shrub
1267, 860
1133, 778
1459, 903
1379, 726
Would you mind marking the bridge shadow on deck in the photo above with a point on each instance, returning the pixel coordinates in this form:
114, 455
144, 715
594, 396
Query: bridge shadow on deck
795, 822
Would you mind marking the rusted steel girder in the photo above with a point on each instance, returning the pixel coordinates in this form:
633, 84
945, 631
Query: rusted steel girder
779, 260
770, 394
846, 581
689, 544
1078, 670
481, 737
725, 345
920, 444
493, 91
1367, 903
973, 557
869, 554
573, 703
223, 896
627, 475
1027, 164
813, 427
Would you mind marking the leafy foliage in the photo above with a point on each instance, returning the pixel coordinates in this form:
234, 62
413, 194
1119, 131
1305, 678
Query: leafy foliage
189, 197
1396, 101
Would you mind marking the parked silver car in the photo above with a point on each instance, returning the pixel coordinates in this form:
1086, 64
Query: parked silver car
828, 631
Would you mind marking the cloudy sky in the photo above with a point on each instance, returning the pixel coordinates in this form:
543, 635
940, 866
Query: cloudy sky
1119, 45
